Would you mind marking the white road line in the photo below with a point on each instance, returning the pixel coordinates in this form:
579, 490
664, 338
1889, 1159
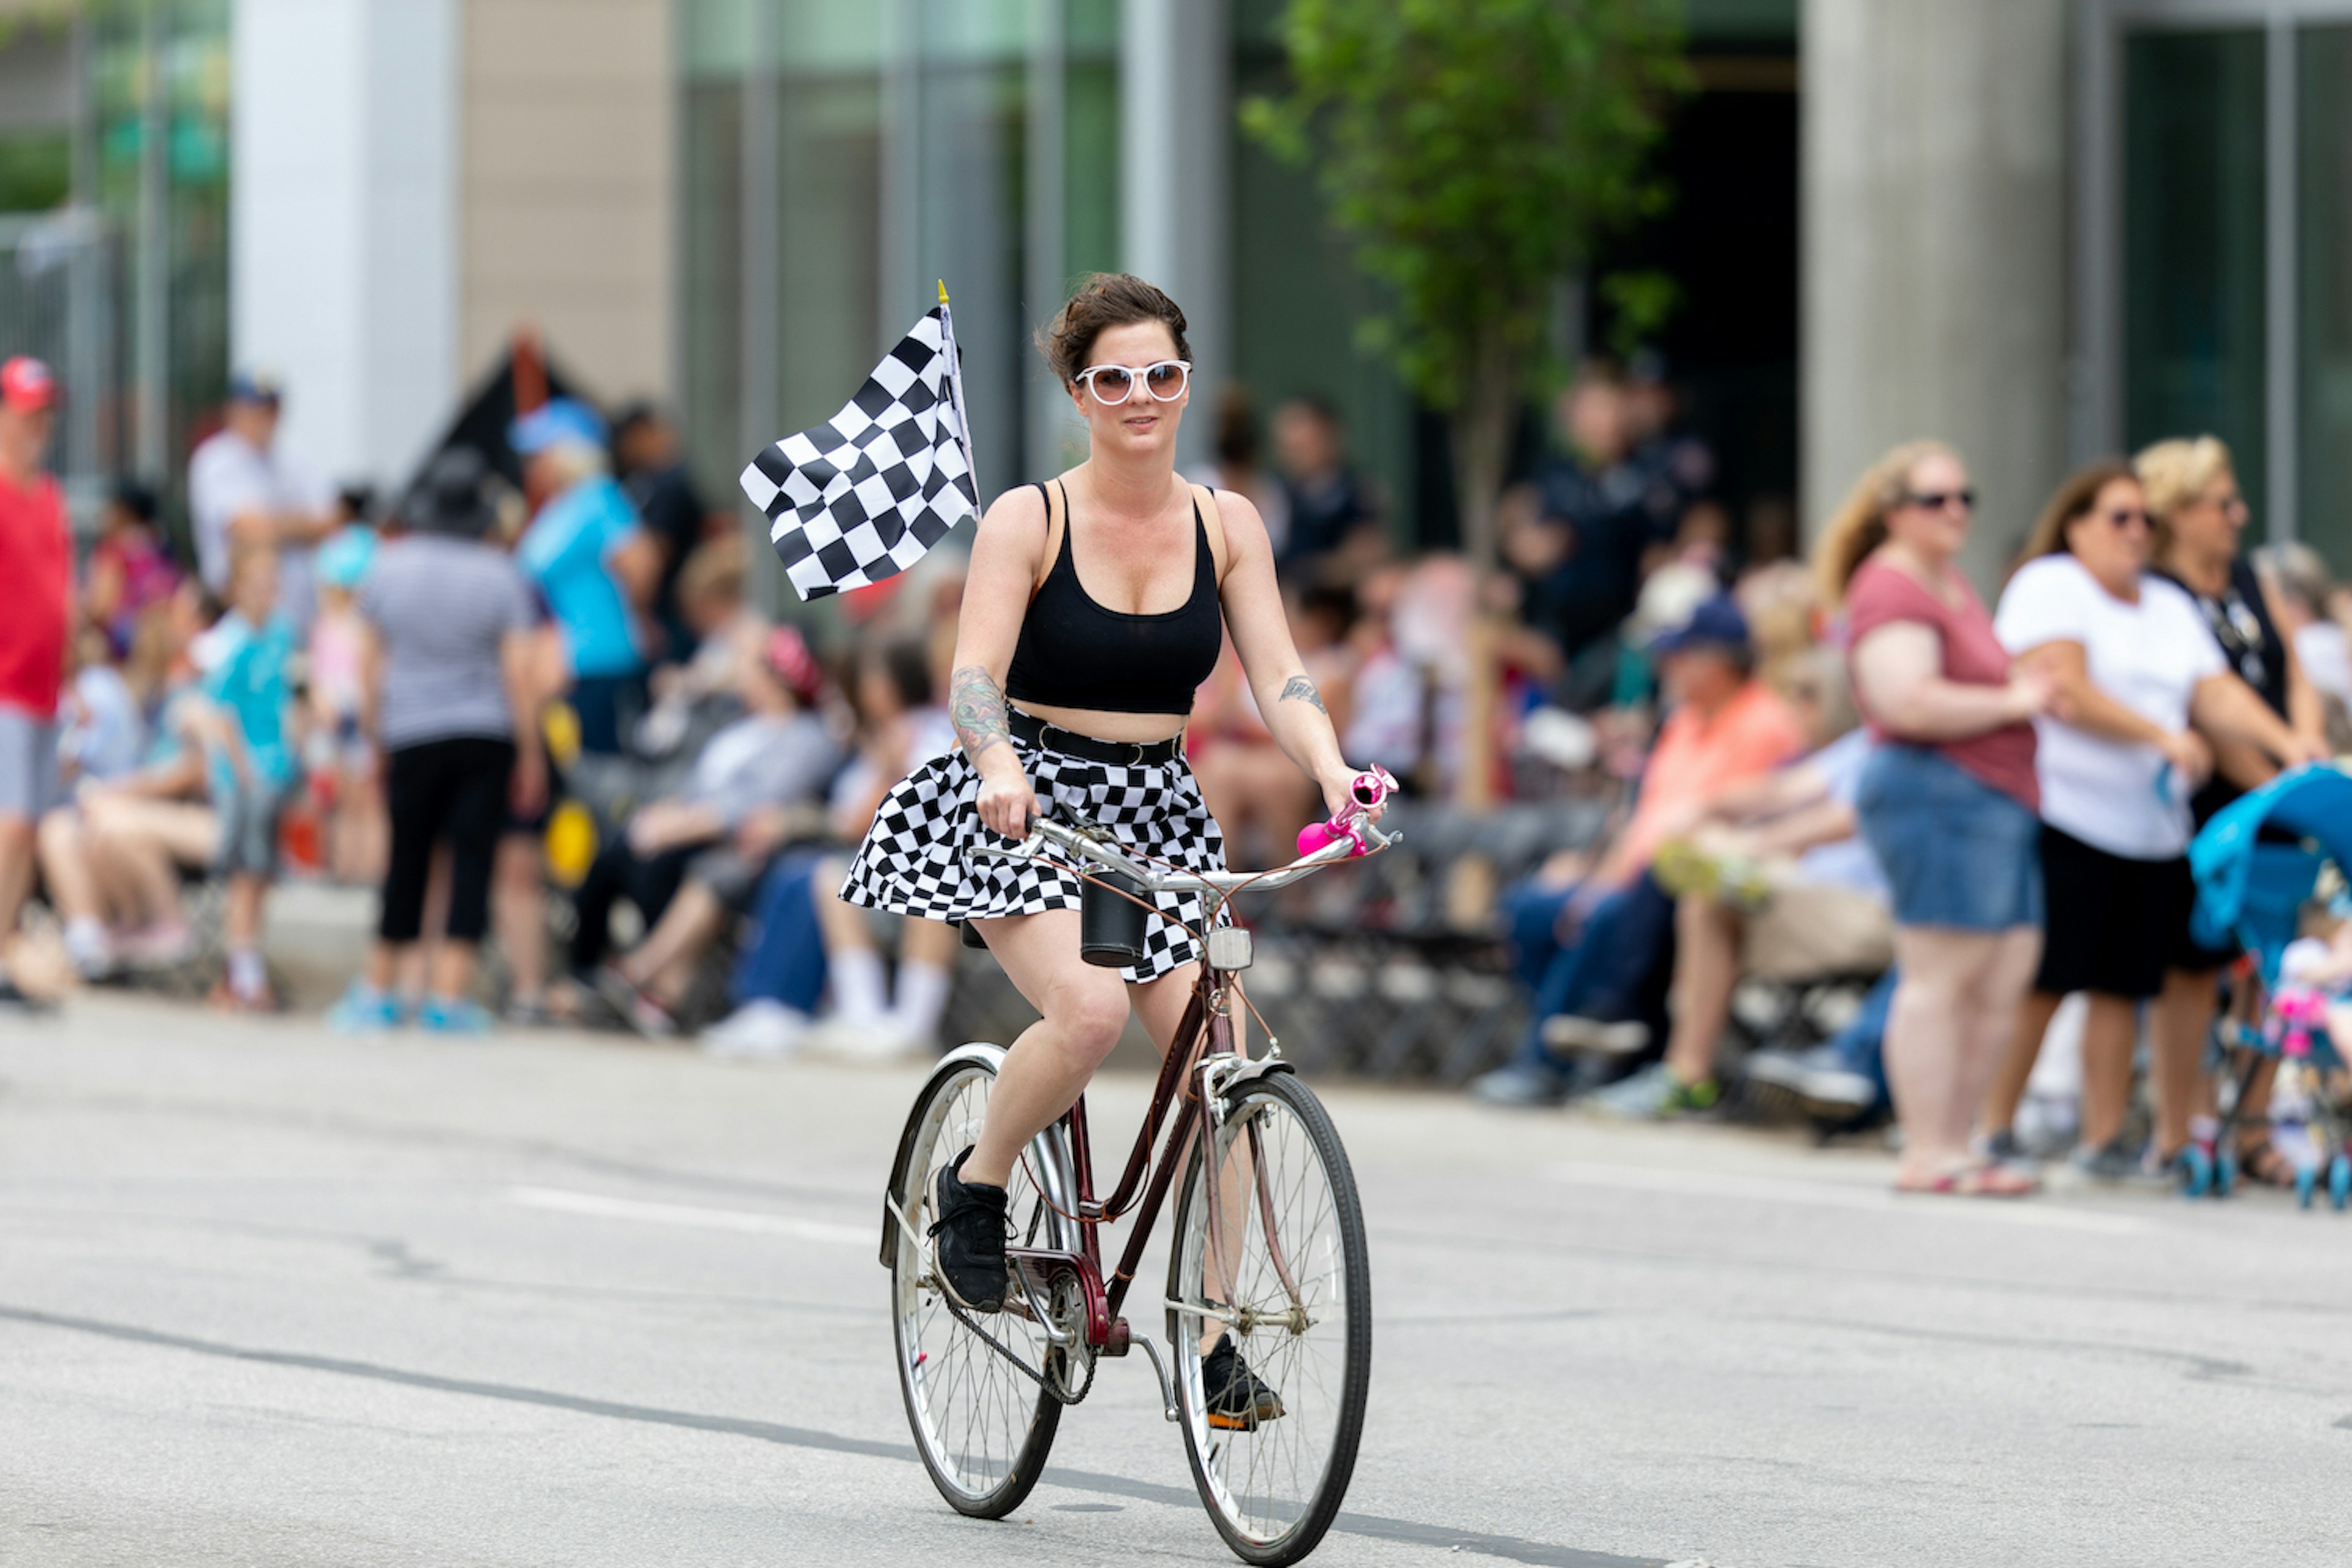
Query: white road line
2028, 1212
743, 1221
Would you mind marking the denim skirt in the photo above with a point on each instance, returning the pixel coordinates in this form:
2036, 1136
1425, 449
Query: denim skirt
1955, 851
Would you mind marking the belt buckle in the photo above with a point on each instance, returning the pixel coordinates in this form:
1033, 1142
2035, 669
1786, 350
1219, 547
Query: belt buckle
1139, 754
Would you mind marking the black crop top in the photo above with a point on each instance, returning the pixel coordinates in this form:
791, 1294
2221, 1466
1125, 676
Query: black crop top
1072, 652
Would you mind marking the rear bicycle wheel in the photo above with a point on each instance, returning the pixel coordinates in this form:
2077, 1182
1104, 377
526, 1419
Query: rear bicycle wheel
982, 1425
1286, 1275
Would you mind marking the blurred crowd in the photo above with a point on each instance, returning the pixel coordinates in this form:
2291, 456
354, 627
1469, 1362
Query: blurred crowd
536, 702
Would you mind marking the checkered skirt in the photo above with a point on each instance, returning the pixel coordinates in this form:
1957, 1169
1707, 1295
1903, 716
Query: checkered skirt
917, 858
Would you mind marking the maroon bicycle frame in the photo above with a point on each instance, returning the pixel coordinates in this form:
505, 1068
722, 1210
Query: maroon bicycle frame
1207, 1029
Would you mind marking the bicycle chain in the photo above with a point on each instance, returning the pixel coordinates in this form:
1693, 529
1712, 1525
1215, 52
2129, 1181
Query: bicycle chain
1049, 1381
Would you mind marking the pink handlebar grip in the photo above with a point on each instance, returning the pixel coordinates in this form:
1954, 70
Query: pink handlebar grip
1370, 789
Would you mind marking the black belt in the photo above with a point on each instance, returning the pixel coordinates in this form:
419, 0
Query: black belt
1032, 730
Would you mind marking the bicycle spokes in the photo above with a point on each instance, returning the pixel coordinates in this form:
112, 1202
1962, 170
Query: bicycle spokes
976, 1387
1270, 1250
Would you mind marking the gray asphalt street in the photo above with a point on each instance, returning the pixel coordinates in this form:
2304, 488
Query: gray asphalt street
269, 1297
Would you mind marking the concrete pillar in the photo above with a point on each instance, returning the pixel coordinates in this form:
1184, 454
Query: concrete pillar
342, 222
1936, 138
1175, 71
568, 162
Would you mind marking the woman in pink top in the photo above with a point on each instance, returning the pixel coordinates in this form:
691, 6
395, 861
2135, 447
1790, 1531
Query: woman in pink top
1946, 801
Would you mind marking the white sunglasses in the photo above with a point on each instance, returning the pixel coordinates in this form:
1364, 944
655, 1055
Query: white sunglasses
1113, 384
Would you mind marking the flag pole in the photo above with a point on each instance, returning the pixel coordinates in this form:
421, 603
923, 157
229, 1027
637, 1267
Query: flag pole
955, 385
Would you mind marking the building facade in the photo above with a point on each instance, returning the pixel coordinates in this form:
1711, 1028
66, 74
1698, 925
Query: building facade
2042, 228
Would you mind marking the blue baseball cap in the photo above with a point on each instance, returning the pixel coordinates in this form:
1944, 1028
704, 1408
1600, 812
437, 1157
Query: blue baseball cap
1713, 623
565, 422
256, 383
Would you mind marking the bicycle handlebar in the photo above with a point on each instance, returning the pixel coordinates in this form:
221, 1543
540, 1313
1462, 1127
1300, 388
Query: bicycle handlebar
1168, 880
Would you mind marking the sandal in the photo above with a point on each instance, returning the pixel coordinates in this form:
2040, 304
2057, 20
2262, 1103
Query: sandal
1982, 1180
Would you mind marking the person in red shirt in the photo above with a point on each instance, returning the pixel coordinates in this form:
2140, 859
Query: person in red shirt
35, 613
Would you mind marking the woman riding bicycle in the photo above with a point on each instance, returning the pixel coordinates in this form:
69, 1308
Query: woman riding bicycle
1091, 613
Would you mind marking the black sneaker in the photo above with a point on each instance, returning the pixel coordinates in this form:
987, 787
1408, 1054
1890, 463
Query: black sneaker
1233, 1397
968, 1238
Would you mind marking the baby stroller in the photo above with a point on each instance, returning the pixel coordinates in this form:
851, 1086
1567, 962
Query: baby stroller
2258, 863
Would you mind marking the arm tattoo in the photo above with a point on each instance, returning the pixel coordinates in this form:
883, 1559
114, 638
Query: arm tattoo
976, 704
1302, 689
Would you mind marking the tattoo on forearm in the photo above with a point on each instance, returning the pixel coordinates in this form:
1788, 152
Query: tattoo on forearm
1303, 690
976, 704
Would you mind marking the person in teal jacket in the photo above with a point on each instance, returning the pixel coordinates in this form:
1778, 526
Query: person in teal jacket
249, 761
592, 562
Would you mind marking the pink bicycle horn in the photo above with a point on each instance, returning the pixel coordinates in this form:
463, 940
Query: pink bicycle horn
1369, 789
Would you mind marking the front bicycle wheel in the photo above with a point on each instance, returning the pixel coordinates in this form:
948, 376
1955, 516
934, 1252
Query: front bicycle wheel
1284, 1271
982, 1422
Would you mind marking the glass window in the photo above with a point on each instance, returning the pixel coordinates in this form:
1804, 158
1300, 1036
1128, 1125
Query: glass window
969, 210
2193, 243
710, 266
1090, 143
164, 71
1298, 297
2324, 275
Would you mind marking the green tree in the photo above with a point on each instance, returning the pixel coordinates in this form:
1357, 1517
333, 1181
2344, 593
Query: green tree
1475, 150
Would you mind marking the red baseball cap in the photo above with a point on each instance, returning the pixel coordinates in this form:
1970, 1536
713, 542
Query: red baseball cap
25, 384
788, 654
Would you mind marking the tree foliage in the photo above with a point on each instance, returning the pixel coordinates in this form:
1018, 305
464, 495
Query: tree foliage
1475, 150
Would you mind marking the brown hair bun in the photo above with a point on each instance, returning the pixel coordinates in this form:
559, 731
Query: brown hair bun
1106, 299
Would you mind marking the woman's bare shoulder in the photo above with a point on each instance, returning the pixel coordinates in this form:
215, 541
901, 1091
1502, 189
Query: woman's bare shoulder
1243, 528
1014, 521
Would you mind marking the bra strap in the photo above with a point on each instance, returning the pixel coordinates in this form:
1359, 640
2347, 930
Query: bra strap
1211, 524
1057, 521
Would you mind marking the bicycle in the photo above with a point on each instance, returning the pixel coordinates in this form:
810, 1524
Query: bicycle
1269, 1247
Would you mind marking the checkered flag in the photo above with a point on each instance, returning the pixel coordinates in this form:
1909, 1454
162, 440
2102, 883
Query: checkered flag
864, 495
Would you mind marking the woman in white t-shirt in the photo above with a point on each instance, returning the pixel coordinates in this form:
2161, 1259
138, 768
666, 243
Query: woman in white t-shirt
2140, 685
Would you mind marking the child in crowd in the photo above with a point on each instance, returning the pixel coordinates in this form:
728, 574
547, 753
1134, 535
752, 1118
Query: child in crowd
108, 856
250, 764
130, 569
340, 762
106, 733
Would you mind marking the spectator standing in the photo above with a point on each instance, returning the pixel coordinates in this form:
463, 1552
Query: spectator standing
448, 653
244, 491
130, 570
1678, 466
646, 461
36, 618
1946, 802
1595, 506
2118, 760
343, 772
2296, 579
249, 762
592, 559
1326, 500
1238, 465
2199, 522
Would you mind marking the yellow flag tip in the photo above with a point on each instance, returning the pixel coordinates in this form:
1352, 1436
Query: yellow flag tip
943, 292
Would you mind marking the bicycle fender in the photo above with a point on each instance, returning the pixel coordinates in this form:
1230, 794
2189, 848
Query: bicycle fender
1250, 1072
979, 1051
